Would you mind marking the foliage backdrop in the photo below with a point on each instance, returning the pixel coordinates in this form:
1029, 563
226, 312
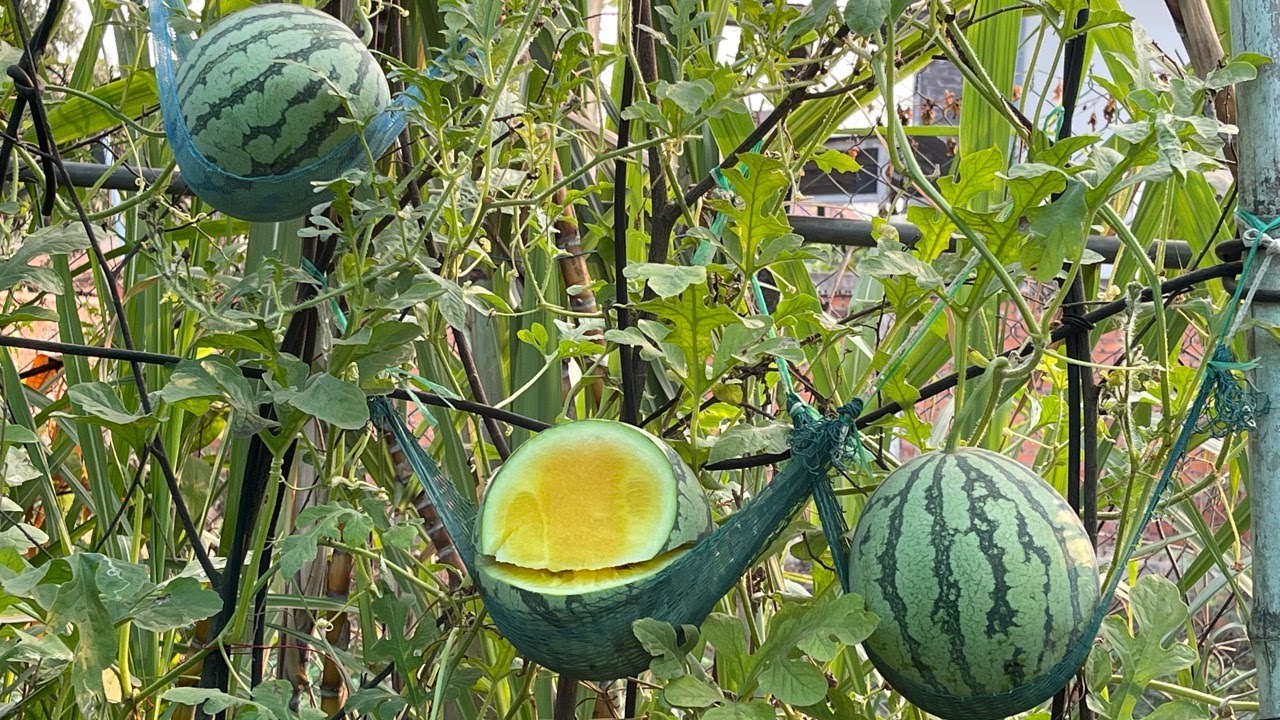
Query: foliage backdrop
481, 259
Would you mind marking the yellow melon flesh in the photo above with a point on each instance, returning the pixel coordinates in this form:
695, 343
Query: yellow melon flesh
588, 495
576, 582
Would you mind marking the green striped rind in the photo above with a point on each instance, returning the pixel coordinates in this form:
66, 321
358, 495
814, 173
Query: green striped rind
693, 513
587, 635
259, 90
983, 577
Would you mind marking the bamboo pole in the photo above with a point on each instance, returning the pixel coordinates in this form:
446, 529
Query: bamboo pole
293, 652
1255, 27
333, 685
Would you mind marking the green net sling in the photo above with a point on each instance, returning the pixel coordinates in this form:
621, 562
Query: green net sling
269, 197
1222, 405
590, 636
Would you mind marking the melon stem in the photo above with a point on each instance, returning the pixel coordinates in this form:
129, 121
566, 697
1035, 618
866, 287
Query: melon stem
961, 340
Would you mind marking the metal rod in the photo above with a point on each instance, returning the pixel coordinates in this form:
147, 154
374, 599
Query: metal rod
122, 178
843, 232
847, 232
1255, 27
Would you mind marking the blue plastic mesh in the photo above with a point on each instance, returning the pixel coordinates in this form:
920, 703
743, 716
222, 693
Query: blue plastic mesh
260, 198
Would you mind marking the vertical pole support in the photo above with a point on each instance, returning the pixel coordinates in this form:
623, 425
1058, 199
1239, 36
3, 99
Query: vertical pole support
1255, 27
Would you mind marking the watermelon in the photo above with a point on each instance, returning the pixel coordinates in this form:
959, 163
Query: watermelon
984, 581
273, 88
587, 506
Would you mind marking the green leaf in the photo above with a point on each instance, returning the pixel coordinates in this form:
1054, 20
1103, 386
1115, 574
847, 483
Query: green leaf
334, 401
667, 280
182, 601
78, 604
835, 161
51, 241
1169, 145
387, 344
746, 439
1179, 710
1060, 229
322, 522
819, 628
728, 636
688, 691
646, 111
535, 336
26, 314
15, 434
376, 702
237, 341
866, 17
272, 700
689, 95
449, 299
191, 387
936, 230
736, 344
21, 537
239, 394
17, 465
1145, 654
79, 118
692, 324
215, 701
758, 181
40, 583
9, 55
976, 173
889, 260
659, 640
1230, 74
122, 585
753, 710
794, 682
1031, 183
814, 15
45, 649
100, 401
404, 651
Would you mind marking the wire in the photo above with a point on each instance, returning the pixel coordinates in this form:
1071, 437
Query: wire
1170, 288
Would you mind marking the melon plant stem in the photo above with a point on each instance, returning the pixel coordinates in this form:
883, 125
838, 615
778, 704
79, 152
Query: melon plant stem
961, 354
1255, 27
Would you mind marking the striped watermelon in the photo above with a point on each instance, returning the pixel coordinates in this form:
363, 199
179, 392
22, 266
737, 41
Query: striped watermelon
984, 580
260, 90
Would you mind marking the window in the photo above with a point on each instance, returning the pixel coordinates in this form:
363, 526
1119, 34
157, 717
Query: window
843, 187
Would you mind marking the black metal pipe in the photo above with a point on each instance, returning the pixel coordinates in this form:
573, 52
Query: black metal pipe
843, 232
122, 178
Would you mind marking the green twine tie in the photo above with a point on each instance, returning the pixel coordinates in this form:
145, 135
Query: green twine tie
1222, 404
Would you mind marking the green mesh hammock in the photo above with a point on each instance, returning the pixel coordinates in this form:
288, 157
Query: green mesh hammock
590, 636
1222, 405
260, 197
